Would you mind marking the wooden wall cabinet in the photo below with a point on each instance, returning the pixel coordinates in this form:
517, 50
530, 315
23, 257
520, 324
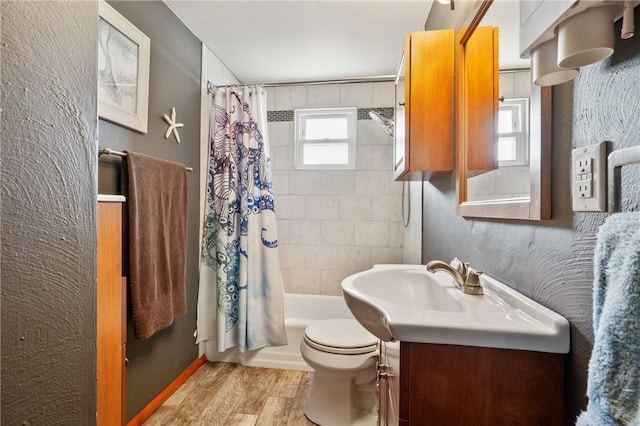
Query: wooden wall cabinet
110, 316
423, 138
464, 385
479, 82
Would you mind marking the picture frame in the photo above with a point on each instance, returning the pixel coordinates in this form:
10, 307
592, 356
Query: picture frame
123, 70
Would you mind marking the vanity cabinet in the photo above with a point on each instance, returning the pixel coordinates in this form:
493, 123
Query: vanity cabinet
423, 130
110, 316
389, 383
465, 385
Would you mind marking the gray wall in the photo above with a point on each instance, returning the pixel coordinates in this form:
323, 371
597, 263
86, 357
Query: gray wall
552, 261
48, 213
174, 82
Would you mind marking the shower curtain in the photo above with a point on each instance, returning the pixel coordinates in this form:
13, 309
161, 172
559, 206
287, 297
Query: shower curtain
240, 299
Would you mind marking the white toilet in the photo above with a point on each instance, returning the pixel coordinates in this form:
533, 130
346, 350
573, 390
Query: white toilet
343, 356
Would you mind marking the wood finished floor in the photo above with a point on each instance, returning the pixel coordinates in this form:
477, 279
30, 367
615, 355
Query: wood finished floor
235, 395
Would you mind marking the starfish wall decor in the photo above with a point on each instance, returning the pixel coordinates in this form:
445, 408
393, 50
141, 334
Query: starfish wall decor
173, 126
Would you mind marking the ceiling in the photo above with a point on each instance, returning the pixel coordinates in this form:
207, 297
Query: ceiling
304, 40
501, 14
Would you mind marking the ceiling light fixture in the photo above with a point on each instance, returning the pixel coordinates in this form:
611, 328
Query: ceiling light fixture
449, 2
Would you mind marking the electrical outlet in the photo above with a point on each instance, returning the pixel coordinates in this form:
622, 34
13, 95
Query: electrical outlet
589, 178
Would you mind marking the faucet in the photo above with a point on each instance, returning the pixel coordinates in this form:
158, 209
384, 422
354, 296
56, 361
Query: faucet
467, 279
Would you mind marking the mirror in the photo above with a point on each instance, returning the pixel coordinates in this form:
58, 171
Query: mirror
504, 166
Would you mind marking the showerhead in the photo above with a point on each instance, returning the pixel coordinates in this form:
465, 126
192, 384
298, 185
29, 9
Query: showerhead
384, 122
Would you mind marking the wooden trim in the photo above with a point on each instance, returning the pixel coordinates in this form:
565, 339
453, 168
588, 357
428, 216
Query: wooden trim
538, 204
109, 308
477, 13
160, 399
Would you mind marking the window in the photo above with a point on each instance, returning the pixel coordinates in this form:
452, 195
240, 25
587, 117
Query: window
513, 132
325, 138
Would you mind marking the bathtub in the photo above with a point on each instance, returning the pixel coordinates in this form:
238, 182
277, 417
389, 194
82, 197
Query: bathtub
301, 310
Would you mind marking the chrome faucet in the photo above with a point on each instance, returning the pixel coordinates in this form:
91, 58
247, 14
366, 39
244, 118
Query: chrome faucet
467, 279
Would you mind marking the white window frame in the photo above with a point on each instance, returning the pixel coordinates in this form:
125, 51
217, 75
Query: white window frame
301, 115
520, 131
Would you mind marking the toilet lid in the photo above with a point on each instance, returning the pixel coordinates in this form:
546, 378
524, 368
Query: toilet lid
341, 336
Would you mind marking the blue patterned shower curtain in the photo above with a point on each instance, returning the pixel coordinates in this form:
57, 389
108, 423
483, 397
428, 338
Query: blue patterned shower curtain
241, 299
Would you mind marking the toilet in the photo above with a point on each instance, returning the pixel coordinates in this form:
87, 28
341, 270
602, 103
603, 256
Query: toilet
343, 356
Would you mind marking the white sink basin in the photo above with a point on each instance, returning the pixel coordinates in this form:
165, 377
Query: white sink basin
408, 303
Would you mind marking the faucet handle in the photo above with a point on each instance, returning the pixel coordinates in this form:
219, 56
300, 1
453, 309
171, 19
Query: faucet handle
472, 283
460, 266
473, 278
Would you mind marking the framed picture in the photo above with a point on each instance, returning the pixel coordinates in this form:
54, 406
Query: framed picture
123, 70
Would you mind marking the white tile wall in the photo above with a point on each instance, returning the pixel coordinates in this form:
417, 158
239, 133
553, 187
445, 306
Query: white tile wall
372, 234
383, 94
338, 182
324, 96
334, 223
412, 234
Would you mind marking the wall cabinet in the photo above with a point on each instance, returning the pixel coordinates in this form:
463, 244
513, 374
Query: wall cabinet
423, 136
463, 385
110, 316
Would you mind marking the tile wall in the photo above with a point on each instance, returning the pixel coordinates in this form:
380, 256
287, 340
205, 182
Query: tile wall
412, 223
334, 223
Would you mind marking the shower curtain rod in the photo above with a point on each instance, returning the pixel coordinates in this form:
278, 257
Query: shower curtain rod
109, 151
382, 78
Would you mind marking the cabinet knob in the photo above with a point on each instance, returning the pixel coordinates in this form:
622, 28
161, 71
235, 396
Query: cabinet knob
401, 104
126, 361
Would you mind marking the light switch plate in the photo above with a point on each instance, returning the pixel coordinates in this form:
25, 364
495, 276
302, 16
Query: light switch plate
589, 178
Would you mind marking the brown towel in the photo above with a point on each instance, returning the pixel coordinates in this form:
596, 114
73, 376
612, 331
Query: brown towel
157, 213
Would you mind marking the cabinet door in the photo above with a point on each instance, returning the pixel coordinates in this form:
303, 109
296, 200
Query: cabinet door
482, 97
424, 133
109, 316
389, 384
466, 385
400, 148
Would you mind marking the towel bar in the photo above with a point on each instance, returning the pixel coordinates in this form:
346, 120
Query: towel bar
108, 151
617, 159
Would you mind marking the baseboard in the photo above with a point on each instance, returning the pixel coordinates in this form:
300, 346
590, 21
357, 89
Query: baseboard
156, 402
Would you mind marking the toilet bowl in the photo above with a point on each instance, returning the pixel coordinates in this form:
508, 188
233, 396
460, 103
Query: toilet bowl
343, 356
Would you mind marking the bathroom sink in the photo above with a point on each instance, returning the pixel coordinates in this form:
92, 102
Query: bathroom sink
409, 303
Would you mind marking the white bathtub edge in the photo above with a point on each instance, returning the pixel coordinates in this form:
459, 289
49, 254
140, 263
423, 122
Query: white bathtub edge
302, 310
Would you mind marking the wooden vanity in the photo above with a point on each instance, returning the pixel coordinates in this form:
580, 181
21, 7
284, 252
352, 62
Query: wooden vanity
433, 384
111, 313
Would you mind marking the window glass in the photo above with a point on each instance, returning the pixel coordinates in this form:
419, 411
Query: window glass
325, 128
325, 138
513, 132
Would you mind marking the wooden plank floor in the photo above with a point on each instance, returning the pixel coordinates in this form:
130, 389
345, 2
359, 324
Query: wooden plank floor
235, 395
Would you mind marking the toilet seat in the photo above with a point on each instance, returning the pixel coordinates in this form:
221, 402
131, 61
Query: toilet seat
341, 337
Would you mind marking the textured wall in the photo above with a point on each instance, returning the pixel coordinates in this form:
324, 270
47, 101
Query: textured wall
48, 213
552, 261
174, 82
